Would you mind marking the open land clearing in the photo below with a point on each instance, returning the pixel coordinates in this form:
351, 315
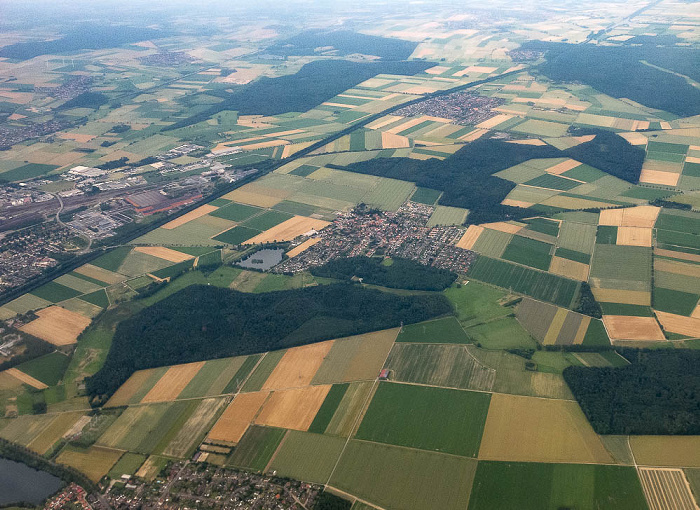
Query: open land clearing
622, 327
57, 325
293, 409
667, 489
666, 451
288, 230
298, 366
192, 215
172, 383
356, 358
164, 253
539, 430
234, 421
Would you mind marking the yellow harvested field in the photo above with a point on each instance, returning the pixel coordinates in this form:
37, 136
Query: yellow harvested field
528, 429
569, 268
494, 121
630, 297
643, 216
470, 236
573, 203
302, 247
671, 266
164, 253
288, 230
384, 121
474, 135
409, 123
100, 274
658, 177
246, 195
634, 236
8, 381
582, 329
437, 70
127, 390
666, 451
528, 141
264, 145
55, 431
95, 462
622, 327
502, 226
298, 366
692, 159
667, 489
555, 326
172, 383
634, 138
80, 138
392, 141
677, 255
293, 409
420, 90
26, 378
232, 424
150, 469
562, 167
192, 215
516, 203
57, 325
688, 326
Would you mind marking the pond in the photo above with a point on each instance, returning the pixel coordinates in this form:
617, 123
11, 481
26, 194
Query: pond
19, 482
262, 259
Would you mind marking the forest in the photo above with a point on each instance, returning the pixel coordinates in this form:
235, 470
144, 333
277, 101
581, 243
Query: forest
397, 274
627, 71
467, 179
343, 42
657, 393
83, 37
313, 84
204, 322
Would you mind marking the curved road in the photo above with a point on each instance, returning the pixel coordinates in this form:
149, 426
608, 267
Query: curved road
58, 219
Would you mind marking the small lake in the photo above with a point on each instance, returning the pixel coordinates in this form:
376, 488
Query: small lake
19, 482
263, 259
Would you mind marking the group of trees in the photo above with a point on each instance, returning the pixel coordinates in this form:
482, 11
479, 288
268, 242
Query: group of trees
204, 322
657, 393
587, 304
399, 274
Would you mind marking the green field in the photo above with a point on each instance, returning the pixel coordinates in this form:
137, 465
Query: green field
606, 234
678, 221
263, 371
328, 408
577, 237
674, 301
523, 486
235, 212
529, 252
27, 171
256, 447
450, 366
112, 260
128, 464
543, 286
404, 478
504, 333
307, 457
444, 420
630, 265
552, 182
492, 243
212, 378
236, 235
475, 302
242, 373
48, 369
98, 298
55, 292
445, 215
425, 196
440, 331
266, 220
543, 226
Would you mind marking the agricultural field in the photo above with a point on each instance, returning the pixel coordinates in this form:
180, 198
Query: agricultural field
534, 485
292, 459
443, 420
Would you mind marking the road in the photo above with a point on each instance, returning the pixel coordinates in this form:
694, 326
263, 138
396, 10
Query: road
58, 219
